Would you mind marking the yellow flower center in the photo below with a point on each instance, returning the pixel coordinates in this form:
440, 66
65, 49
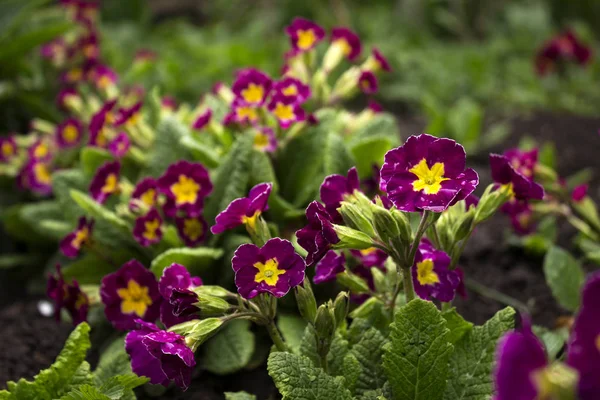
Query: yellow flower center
193, 229
80, 237
248, 113
101, 138
268, 272
110, 184
425, 273
148, 197
509, 190
598, 342
7, 149
90, 50
74, 75
133, 120
429, 180
346, 48
40, 151
366, 252
151, 229
185, 190
251, 221
135, 299
253, 93
284, 112
261, 140
81, 301
42, 174
70, 133
306, 39
290, 90
104, 81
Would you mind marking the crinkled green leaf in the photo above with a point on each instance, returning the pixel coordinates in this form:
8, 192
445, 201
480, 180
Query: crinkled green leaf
113, 361
457, 325
297, 378
472, 362
85, 392
196, 260
382, 124
337, 353
46, 217
200, 151
416, 359
239, 396
369, 352
167, 148
231, 179
564, 276
308, 347
120, 386
292, 328
90, 268
63, 181
373, 395
352, 370
229, 350
262, 169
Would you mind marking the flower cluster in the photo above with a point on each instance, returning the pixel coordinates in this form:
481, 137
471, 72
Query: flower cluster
562, 49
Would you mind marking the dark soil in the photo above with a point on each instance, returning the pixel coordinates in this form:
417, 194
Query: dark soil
30, 342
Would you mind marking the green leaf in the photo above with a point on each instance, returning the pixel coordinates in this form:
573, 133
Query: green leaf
15, 12
120, 386
352, 370
416, 359
465, 121
381, 125
46, 217
564, 276
200, 151
85, 392
297, 378
369, 353
197, 260
230, 350
20, 45
92, 267
262, 169
292, 328
20, 260
109, 228
337, 354
231, 179
472, 362
63, 182
92, 158
457, 325
239, 396
113, 361
368, 152
308, 347
167, 147
52, 382
554, 341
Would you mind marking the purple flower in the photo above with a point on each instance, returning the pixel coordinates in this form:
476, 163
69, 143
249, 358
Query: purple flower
106, 181
202, 120
521, 216
65, 96
245, 210
40, 151
427, 173
371, 257
103, 76
579, 193
68, 296
521, 363
88, 46
252, 86
375, 106
292, 87
471, 201
335, 188
367, 82
74, 241
286, 110
378, 62
431, 276
265, 140
119, 146
349, 41
69, 133
128, 116
565, 47
37, 177
318, 236
175, 287
159, 355
273, 268
98, 124
241, 113
145, 194
8, 148
148, 228
329, 266
584, 344
186, 185
304, 34
128, 294
506, 172
191, 229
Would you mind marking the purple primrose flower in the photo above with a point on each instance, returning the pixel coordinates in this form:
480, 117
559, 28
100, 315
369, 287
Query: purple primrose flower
318, 236
191, 229
72, 243
335, 188
175, 287
186, 185
106, 181
245, 210
329, 266
148, 228
68, 296
431, 276
304, 34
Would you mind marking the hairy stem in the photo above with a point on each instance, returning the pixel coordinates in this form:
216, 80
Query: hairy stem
276, 336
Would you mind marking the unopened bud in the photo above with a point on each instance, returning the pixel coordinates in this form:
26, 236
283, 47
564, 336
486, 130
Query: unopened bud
403, 225
380, 280
307, 304
385, 225
211, 305
202, 331
325, 322
465, 225
351, 238
366, 308
355, 218
353, 282
340, 307
491, 201
211, 290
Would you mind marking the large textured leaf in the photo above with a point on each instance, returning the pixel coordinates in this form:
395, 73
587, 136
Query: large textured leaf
47, 218
200, 151
231, 180
113, 361
383, 124
196, 260
230, 350
416, 359
298, 379
262, 169
50, 383
472, 362
457, 325
564, 276
369, 352
167, 148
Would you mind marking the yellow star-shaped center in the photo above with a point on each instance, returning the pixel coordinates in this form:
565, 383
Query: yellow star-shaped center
135, 299
284, 112
185, 190
151, 229
306, 39
253, 93
110, 184
429, 180
268, 272
80, 237
193, 229
70, 133
425, 273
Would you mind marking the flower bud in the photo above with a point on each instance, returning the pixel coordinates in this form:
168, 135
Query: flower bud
259, 232
465, 225
355, 218
381, 280
403, 225
211, 305
333, 56
351, 238
385, 225
490, 202
307, 304
347, 84
353, 282
211, 290
201, 331
557, 381
325, 322
340, 308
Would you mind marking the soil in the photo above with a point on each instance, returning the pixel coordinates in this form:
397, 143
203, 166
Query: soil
30, 342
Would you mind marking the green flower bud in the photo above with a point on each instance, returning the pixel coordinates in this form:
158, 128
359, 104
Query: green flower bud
353, 282
197, 331
325, 322
381, 280
355, 218
351, 238
307, 304
211, 290
340, 308
403, 225
259, 231
385, 225
211, 305
490, 202
465, 225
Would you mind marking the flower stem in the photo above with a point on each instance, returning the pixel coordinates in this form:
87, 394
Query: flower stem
276, 336
409, 290
496, 295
